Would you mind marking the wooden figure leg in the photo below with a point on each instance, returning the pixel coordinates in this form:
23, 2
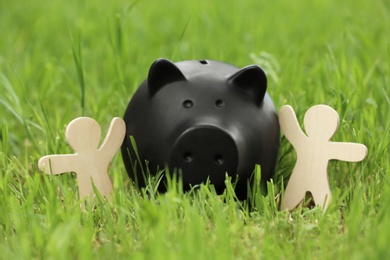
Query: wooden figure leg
322, 197
103, 184
84, 183
292, 196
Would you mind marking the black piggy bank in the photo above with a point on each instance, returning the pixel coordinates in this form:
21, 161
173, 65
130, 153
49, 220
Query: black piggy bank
205, 119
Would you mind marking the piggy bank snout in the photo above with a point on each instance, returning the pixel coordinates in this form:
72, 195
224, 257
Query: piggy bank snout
203, 152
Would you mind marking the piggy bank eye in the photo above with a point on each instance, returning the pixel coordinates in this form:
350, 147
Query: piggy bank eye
219, 103
188, 103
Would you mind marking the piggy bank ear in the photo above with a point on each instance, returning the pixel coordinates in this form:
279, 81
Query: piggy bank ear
161, 73
252, 80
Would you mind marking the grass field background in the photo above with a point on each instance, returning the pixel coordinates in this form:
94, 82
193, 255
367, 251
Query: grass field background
64, 59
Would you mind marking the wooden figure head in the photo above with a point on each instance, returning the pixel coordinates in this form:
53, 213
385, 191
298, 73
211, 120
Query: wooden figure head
83, 134
321, 121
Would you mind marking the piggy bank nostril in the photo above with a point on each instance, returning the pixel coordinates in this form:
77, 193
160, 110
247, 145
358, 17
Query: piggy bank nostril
187, 156
218, 159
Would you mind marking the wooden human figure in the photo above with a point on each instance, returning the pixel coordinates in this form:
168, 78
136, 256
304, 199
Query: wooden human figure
90, 163
314, 150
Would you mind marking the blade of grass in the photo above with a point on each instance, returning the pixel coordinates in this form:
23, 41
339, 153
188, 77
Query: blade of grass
78, 61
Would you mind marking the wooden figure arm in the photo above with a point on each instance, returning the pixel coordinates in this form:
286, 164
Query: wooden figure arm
57, 163
114, 138
350, 152
290, 126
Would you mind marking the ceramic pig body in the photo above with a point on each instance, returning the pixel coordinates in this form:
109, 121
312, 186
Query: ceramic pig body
206, 118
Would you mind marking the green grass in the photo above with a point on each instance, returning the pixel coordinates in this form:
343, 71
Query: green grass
63, 59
